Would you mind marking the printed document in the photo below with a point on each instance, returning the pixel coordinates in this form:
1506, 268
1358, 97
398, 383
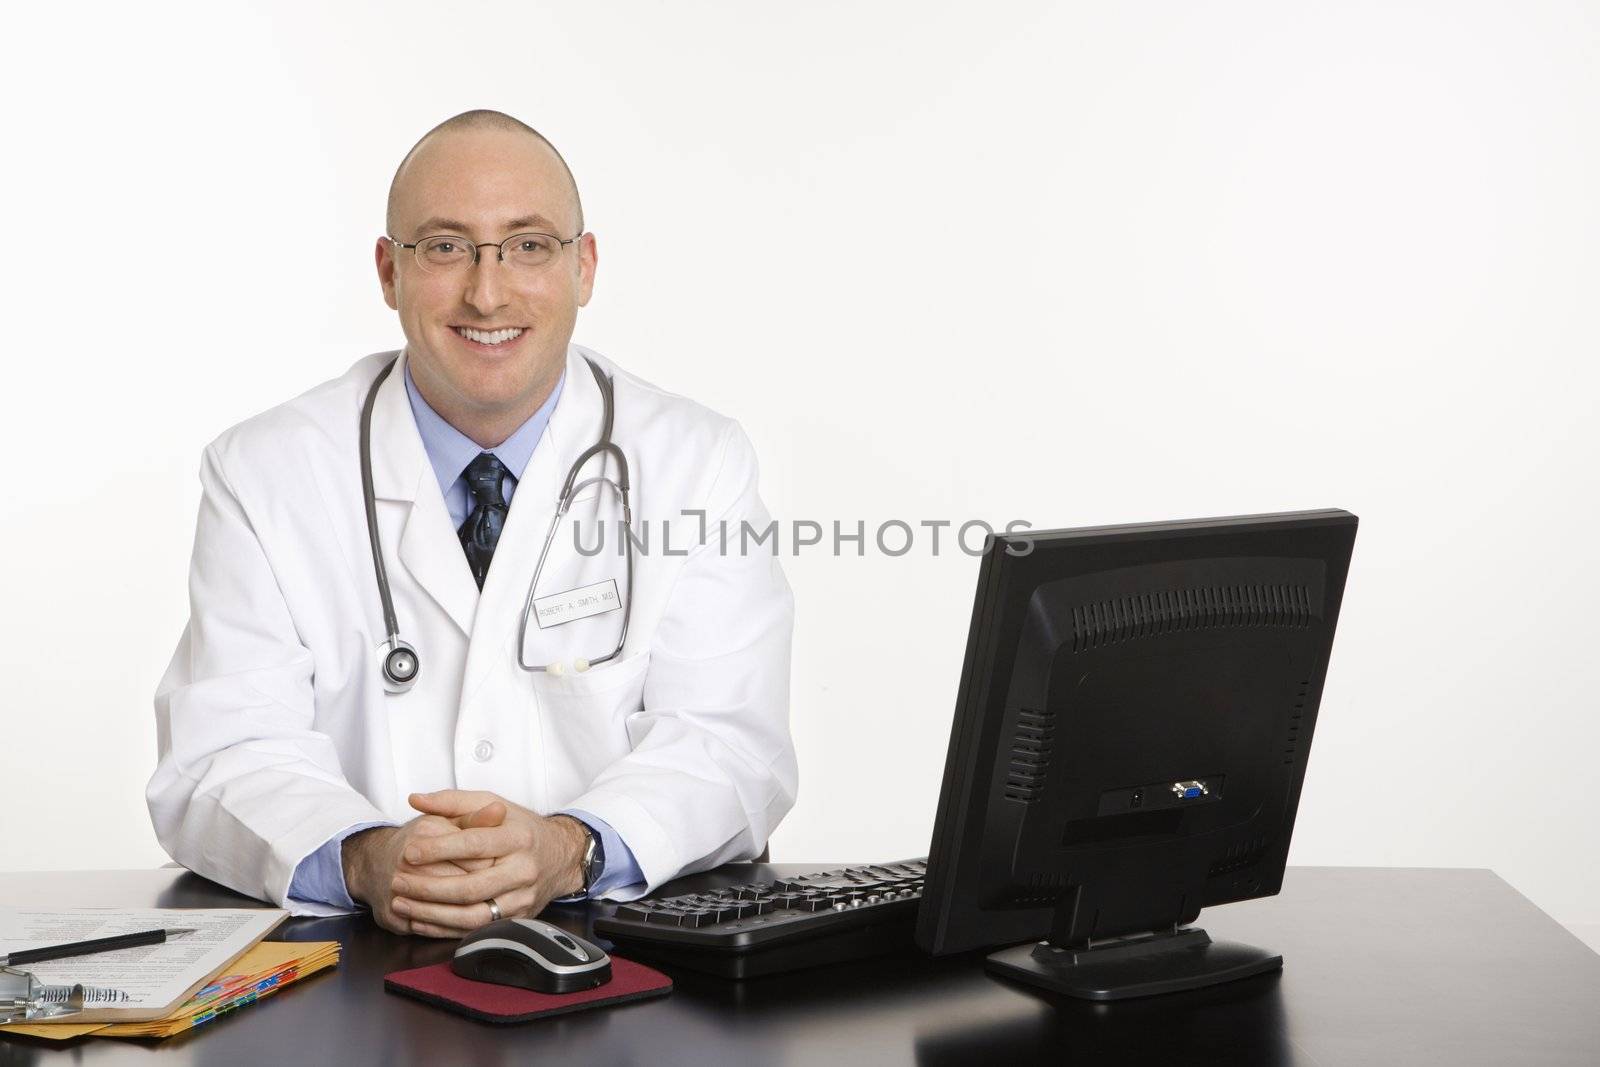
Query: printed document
155, 977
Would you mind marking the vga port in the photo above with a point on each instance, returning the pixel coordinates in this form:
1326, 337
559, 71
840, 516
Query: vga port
1189, 790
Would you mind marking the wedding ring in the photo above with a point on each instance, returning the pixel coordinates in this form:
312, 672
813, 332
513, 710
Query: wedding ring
494, 909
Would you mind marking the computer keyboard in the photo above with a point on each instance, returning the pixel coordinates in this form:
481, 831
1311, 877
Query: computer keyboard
760, 928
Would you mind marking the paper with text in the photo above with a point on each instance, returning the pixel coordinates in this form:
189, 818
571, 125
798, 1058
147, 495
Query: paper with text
155, 977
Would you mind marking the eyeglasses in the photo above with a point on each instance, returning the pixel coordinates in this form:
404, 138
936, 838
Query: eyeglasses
445, 254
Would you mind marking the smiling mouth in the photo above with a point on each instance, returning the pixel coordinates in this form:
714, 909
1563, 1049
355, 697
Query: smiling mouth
490, 338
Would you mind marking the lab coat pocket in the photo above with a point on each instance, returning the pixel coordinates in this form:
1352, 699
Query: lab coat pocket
595, 698
582, 717
605, 678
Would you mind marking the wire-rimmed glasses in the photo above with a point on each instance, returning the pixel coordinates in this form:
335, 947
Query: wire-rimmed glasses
447, 254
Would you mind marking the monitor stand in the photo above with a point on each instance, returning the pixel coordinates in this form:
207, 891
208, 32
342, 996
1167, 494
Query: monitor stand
1138, 965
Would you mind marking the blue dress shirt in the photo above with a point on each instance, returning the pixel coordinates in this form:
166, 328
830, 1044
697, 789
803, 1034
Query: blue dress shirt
320, 876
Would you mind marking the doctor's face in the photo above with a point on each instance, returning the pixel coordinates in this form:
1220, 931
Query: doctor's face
486, 186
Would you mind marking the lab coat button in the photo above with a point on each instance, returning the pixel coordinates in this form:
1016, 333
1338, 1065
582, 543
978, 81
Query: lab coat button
483, 751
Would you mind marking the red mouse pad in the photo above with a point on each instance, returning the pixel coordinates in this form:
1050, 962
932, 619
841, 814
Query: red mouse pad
510, 1004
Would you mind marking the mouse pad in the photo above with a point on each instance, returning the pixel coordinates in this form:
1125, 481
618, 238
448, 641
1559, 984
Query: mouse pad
492, 1003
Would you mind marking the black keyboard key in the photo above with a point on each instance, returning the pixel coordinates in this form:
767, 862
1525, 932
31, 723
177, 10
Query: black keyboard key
855, 910
836, 884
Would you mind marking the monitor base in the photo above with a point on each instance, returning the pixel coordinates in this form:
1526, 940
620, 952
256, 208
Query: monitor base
1137, 966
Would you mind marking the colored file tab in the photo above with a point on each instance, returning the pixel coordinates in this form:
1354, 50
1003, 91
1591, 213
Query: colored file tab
266, 968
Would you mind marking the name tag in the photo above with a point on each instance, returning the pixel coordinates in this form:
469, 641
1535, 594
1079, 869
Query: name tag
580, 603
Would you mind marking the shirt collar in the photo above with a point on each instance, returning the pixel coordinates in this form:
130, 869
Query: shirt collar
449, 450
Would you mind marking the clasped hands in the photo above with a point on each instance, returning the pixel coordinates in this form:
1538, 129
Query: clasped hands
435, 875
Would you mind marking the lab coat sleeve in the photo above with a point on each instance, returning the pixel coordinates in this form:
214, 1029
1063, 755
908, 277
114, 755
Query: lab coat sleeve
619, 869
319, 878
712, 769
244, 787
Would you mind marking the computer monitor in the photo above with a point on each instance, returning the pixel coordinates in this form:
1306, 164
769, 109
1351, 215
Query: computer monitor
1135, 713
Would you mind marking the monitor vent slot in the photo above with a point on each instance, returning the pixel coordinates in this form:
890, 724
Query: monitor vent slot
1109, 622
1030, 755
1038, 890
1240, 854
1291, 746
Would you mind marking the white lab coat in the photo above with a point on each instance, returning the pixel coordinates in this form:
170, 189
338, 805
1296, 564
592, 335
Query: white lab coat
275, 731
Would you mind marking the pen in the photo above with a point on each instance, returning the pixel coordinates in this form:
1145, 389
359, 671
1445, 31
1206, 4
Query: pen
87, 948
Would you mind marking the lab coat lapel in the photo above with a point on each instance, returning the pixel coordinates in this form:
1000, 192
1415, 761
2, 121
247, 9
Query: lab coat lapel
403, 477
574, 425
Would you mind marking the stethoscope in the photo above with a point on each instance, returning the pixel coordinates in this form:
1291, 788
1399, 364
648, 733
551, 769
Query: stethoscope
401, 665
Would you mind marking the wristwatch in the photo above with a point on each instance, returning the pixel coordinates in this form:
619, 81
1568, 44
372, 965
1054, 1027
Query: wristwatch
594, 857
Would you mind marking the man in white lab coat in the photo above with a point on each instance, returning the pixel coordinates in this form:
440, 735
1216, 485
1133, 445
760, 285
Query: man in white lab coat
289, 771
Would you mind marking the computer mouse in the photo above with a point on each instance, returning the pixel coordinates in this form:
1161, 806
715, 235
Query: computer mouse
533, 954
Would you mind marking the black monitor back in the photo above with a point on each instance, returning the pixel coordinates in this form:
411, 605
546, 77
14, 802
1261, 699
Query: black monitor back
1135, 712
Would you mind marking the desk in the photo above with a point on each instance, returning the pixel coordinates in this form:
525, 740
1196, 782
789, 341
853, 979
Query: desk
1381, 966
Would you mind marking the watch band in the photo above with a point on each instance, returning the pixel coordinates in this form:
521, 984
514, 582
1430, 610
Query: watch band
593, 862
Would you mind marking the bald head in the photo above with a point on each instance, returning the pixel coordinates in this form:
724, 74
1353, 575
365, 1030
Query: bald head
481, 119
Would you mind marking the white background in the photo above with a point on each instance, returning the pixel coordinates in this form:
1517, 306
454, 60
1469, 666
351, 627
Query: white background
1070, 264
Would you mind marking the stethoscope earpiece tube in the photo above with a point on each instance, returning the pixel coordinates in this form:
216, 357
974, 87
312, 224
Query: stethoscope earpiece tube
401, 663
603, 447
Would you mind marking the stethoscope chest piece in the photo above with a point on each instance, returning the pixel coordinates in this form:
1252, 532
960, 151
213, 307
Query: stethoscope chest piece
400, 665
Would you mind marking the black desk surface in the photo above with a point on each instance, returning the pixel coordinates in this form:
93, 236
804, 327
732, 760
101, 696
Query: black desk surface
1381, 966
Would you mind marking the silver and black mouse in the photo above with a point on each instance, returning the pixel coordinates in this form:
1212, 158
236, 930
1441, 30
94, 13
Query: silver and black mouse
533, 954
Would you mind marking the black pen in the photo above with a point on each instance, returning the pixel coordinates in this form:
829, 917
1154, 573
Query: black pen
87, 948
